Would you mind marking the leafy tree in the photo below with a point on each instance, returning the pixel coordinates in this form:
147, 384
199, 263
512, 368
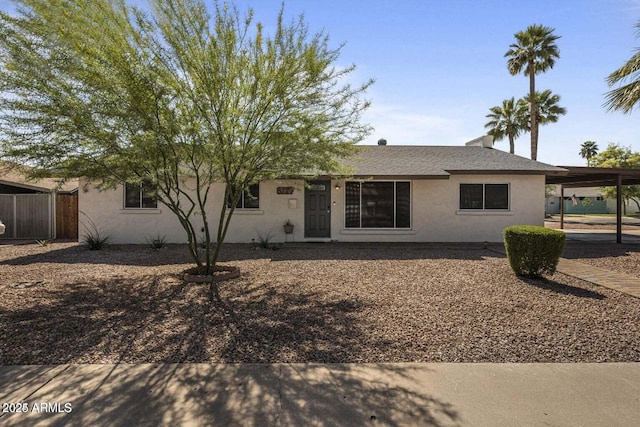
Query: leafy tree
615, 156
507, 120
178, 95
535, 51
588, 150
626, 96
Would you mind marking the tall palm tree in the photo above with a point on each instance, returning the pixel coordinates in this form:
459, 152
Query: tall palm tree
546, 108
588, 150
507, 120
628, 94
535, 51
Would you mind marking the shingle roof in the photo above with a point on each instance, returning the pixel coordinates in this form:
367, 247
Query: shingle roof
16, 176
430, 161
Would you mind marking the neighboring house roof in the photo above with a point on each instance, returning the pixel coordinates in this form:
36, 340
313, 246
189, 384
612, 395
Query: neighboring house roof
438, 162
15, 176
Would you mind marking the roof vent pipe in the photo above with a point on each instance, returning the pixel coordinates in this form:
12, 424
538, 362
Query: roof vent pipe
382, 141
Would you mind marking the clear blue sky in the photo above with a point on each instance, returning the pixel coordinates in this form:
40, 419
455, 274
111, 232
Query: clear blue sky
439, 65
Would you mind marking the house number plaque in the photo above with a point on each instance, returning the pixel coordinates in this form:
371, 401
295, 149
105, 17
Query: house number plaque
284, 190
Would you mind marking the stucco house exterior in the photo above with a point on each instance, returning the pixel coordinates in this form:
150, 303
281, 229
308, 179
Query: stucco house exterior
396, 194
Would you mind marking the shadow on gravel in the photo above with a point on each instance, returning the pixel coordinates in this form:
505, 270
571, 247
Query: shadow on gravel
160, 319
142, 255
561, 288
114, 255
109, 321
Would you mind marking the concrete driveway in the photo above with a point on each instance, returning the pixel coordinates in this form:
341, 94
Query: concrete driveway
442, 394
594, 220
596, 228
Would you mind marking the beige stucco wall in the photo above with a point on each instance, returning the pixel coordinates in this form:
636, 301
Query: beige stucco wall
435, 214
106, 210
436, 217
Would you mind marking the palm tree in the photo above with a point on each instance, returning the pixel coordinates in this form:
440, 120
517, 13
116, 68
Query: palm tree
588, 150
546, 104
534, 52
548, 109
626, 96
507, 120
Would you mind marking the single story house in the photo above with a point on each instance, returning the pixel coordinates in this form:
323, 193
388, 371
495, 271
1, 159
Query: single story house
396, 194
37, 209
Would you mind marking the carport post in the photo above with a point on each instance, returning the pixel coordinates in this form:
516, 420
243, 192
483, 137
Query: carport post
619, 209
561, 206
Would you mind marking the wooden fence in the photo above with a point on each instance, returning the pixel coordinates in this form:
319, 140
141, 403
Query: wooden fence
67, 216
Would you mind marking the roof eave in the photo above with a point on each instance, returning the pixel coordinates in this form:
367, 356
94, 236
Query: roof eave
508, 172
25, 186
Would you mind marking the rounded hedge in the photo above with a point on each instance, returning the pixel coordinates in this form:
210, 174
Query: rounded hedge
532, 250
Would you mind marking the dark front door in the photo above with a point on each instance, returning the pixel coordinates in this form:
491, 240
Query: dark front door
317, 209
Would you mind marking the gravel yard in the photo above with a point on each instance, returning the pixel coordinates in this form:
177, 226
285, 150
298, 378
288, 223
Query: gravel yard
305, 303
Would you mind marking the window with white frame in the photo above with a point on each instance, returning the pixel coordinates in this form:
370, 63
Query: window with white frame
484, 196
139, 196
378, 204
249, 199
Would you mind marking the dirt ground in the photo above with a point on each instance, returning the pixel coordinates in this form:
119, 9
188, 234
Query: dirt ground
308, 303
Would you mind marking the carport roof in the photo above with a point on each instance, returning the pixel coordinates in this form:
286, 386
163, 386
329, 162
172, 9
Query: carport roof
579, 176
15, 176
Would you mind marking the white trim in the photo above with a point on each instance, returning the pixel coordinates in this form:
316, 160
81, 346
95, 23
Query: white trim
246, 211
380, 231
140, 211
486, 212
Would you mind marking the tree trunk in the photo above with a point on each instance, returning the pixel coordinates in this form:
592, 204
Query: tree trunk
534, 111
512, 146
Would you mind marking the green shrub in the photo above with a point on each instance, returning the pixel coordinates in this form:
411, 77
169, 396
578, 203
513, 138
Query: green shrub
94, 238
158, 242
95, 241
533, 251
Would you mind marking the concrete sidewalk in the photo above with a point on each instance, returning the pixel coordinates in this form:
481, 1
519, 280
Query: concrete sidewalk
442, 394
601, 236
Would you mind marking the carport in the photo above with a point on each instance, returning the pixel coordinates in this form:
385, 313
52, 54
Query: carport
37, 209
578, 176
